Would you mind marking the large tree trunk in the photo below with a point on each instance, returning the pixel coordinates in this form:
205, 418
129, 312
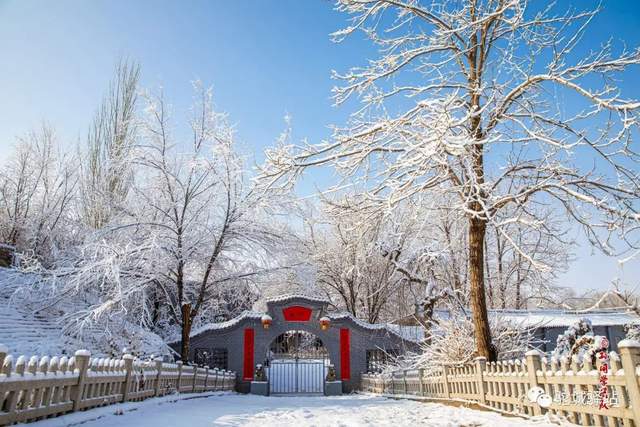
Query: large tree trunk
477, 229
186, 331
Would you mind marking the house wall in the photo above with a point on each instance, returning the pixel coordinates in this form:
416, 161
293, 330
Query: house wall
614, 334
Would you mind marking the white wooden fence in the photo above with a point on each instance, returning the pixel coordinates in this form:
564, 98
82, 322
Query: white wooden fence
45, 387
504, 385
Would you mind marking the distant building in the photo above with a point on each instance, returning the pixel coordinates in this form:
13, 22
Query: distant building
547, 324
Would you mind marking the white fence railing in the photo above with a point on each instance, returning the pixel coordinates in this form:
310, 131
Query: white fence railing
575, 389
45, 387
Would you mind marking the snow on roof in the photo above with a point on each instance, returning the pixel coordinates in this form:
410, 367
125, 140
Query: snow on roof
409, 333
553, 318
557, 318
397, 330
287, 297
224, 325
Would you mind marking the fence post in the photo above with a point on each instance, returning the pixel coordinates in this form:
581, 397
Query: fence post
404, 382
195, 378
445, 381
128, 378
630, 357
158, 361
481, 364
179, 363
206, 377
420, 379
533, 366
3, 354
82, 363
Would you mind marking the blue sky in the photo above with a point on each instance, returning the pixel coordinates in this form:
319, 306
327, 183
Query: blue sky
263, 58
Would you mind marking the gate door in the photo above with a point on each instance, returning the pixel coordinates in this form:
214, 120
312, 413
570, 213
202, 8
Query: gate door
296, 376
297, 364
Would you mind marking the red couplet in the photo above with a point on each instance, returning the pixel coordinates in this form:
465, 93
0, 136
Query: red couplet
247, 372
345, 355
296, 313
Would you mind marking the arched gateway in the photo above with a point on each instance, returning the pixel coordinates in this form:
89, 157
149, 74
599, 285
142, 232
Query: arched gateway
297, 335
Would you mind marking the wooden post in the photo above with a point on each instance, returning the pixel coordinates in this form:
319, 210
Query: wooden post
179, 363
82, 363
126, 386
420, 378
533, 366
158, 376
445, 381
630, 357
404, 381
206, 377
480, 365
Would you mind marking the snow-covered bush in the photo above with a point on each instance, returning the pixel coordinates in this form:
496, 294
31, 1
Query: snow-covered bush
632, 331
574, 336
580, 340
452, 341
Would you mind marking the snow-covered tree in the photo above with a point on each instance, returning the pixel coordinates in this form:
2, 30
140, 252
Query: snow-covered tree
37, 189
464, 102
513, 279
350, 265
106, 171
190, 245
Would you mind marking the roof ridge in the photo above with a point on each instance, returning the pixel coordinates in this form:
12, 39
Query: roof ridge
297, 295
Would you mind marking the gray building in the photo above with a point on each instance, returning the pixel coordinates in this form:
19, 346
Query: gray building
548, 324
298, 341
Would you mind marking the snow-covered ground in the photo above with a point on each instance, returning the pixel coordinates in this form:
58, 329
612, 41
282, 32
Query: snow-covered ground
215, 409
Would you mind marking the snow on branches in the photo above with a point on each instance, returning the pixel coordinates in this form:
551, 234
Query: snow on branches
452, 341
187, 242
463, 103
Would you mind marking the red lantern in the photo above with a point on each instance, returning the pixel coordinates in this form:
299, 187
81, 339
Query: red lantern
266, 321
324, 323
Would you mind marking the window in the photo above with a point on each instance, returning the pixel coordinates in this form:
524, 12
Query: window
378, 358
212, 357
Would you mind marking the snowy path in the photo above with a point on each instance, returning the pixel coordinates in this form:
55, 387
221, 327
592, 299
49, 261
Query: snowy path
242, 410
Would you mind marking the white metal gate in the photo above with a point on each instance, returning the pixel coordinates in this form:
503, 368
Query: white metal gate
300, 376
296, 364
